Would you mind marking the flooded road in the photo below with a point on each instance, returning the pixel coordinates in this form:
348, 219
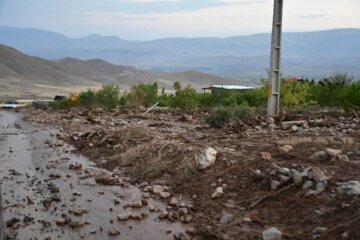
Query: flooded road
40, 192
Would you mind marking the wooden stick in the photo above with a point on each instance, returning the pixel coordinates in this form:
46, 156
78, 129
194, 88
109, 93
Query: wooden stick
270, 195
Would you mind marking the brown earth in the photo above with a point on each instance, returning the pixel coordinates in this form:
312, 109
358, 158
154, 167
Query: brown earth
163, 145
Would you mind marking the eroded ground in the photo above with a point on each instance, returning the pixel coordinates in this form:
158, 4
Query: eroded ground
301, 178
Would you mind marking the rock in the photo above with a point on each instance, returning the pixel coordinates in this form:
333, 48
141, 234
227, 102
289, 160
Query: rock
75, 224
165, 194
333, 152
246, 219
80, 212
218, 192
137, 204
75, 166
148, 189
265, 156
274, 184
11, 222
61, 222
163, 215
308, 184
286, 148
284, 171
319, 230
288, 125
182, 211
157, 189
320, 156
206, 158
186, 218
105, 178
343, 157
123, 216
317, 174
271, 234
173, 202
297, 178
294, 128
226, 218
350, 188
114, 231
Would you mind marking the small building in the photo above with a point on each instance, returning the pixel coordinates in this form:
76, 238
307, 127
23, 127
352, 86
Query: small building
216, 89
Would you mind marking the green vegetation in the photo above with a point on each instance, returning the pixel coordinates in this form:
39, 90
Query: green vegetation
109, 96
338, 91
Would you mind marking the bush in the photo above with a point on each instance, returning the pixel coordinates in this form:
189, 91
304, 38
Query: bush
219, 118
108, 96
243, 113
62, 104
143, 94
185, 98
40, 105
87, 98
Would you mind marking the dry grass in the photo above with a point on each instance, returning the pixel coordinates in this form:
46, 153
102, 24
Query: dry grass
158, 158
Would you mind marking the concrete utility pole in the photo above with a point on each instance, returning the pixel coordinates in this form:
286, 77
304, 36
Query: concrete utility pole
274, 72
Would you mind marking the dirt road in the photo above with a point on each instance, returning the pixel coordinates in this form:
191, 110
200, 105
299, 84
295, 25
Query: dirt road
40, 192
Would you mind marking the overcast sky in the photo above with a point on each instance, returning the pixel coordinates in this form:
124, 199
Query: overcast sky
150, 19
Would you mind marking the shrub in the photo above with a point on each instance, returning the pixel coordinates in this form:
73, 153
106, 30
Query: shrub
206, 100
243, 113
219, 118
62, 104
108, 96
40, 105
143, 94
87, 98
185, 98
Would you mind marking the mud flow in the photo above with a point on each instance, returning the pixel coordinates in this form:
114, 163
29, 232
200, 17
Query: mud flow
50, 193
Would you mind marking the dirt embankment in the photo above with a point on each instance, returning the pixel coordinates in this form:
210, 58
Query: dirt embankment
299, 177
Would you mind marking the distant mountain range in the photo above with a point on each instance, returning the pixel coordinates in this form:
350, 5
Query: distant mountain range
308, 54
22, 75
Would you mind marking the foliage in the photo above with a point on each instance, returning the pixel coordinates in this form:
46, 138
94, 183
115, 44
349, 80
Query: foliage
40, 105
87, 98
108, 96
62, 104
294, 94
243, 112
185, 98
143, 94
219, 118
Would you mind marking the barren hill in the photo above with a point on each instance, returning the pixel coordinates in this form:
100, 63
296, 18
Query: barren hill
24, 75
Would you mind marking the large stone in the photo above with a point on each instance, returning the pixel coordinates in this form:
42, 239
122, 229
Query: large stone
317, 175
218, 192
271, 234
206, 158
343, 158
333, 152
226, 218
157, 189
286, 148
287, 125
319, 156
105, 178
349, 188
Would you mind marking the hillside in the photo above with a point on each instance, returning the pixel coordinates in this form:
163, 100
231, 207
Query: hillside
24, 75
308, 54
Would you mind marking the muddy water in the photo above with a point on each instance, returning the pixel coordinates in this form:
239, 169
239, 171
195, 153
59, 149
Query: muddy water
25, 165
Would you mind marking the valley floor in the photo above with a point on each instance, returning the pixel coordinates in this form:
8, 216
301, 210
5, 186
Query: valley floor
298, 177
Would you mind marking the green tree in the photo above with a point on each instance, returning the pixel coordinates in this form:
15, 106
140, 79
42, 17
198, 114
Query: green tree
87, 98
108, 96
